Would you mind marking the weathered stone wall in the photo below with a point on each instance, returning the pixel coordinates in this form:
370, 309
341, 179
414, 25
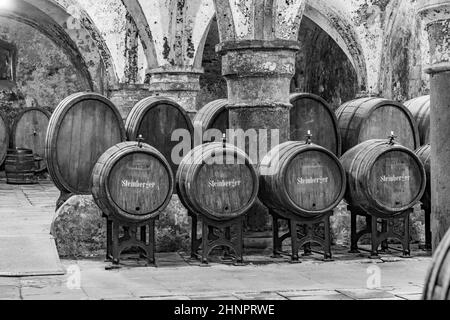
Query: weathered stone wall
44, 72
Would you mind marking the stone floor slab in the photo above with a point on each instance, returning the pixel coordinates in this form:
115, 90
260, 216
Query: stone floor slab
366, 294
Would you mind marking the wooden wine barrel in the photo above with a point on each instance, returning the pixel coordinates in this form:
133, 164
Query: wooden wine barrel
437, 285
4, 139
218, 181
156, 119
29, 132
213, 116
20, 167
312, 113
375, 118
133, 182
81, 129
306, 180
420, 108
424, 154
384, 179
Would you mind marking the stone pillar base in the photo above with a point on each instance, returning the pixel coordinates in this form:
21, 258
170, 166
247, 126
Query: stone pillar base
126, 96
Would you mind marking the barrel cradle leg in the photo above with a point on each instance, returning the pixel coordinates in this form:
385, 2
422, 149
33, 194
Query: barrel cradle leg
327, 244
428, 235
294, 240
385, 243
109, 237
205, 240
226, 250
151, 246
375, 238
407, 236
239, 246
354, 231
115, 242
307, 250
277, 246
195, 242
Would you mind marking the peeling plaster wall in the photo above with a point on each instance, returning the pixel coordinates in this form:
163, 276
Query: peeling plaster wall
174, 29
120, 35
44, 72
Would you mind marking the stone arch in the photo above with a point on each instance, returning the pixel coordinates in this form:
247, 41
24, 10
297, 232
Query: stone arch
339, 27
71, 29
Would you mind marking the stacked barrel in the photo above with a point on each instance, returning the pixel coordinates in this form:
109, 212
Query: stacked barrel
420, 108
386, 179
300, 181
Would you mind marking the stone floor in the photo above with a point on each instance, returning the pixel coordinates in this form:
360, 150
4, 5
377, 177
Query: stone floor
176, 277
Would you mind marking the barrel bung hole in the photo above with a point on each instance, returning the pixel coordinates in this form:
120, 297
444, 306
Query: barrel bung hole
138, 208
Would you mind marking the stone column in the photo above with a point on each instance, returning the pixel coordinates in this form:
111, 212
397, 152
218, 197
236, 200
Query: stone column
182, 84
436, 14
259, 74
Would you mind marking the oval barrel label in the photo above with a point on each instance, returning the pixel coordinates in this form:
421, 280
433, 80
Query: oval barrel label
395, 180
224, 188
139, 184
313, 181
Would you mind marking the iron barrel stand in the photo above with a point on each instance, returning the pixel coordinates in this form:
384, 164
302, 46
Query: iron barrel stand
380, 230
306, 231
135, 235
217, 234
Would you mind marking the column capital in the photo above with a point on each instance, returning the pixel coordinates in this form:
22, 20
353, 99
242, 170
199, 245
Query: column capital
436, 15
434, 10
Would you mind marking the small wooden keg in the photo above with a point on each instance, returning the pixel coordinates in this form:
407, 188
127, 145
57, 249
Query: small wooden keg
132, 182
384, 178
437, 284
81, 129
420, 109
4, 139
20, 167
29, 132
218, 181
303, 179
375, 118
156, 119
314, 114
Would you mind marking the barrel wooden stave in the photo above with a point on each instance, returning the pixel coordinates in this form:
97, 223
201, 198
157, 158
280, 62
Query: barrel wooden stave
131, 182
312, 113
29, 132
4, 139
424, 154
375, 118
420, 108
437, 284
318, 188
81, 129
214, 115
221, 191
156, 119
384, 180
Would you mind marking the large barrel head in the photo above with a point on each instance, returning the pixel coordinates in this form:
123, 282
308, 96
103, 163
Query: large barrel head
132, 181
314, 114
375, 118
384, 178
304, 179
81, 129
217, 181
